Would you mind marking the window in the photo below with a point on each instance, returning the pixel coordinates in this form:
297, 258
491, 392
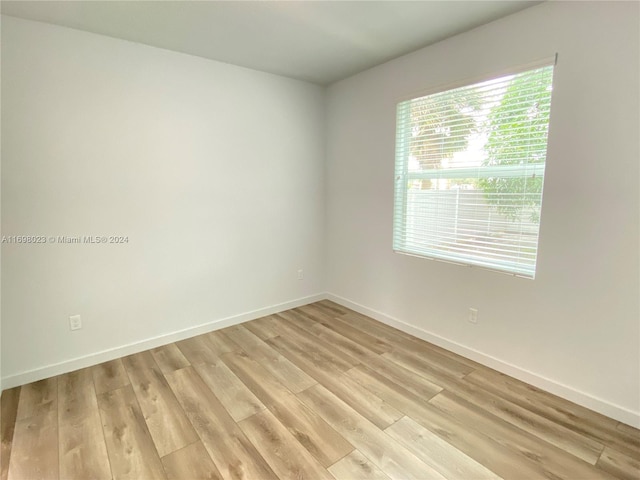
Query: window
469, 172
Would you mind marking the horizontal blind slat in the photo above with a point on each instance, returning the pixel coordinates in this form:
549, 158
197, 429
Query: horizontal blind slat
484, 208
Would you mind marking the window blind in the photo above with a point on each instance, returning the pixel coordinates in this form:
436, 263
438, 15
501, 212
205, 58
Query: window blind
469, 172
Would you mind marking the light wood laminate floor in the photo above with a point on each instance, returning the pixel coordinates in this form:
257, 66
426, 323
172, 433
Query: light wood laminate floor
318, 392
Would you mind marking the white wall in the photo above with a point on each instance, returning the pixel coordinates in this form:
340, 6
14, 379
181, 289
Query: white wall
575, 328
214, 172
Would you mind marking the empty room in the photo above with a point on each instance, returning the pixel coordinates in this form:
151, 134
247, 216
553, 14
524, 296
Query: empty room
248, 240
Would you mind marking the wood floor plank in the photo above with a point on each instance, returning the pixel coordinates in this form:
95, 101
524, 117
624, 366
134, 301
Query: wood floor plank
291, 330
390, 457
263, 327
505, 462
358, 336
368, 341
319, 312
555, 461
220, 342
459, 365
239, 401
438, 367
284, 454
287, 373
109, 376
332, 307
410, 380
437, 453
190, 463
579, 445
356, 466
34, 455
197, 350
619, 465
363, 401
169, 358
322, 441
139, 361
628, 430
562, 412
132, 454
562, 437
233, 454
82, 447
314, 349
362, 354
510, 386
344, 344
168, 425
298, 317
8, 413
38, 398
424, 368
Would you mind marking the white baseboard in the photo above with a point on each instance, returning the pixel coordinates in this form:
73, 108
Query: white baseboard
136, 347
599, 405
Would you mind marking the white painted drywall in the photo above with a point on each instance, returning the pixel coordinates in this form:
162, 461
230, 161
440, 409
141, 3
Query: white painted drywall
576, 324
214, 172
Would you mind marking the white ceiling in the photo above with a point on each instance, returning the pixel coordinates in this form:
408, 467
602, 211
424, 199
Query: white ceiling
318, 41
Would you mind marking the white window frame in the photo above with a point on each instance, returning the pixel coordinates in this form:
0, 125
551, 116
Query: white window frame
402, 179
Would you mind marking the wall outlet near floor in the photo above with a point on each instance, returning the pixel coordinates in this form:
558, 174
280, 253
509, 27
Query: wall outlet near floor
473, 315
75, 322
300, 274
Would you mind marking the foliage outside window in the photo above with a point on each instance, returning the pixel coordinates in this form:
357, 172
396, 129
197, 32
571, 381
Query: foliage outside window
470, 166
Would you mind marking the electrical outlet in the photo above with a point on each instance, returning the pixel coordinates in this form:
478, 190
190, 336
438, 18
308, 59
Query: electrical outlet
300, 274
75, 322
473, 315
